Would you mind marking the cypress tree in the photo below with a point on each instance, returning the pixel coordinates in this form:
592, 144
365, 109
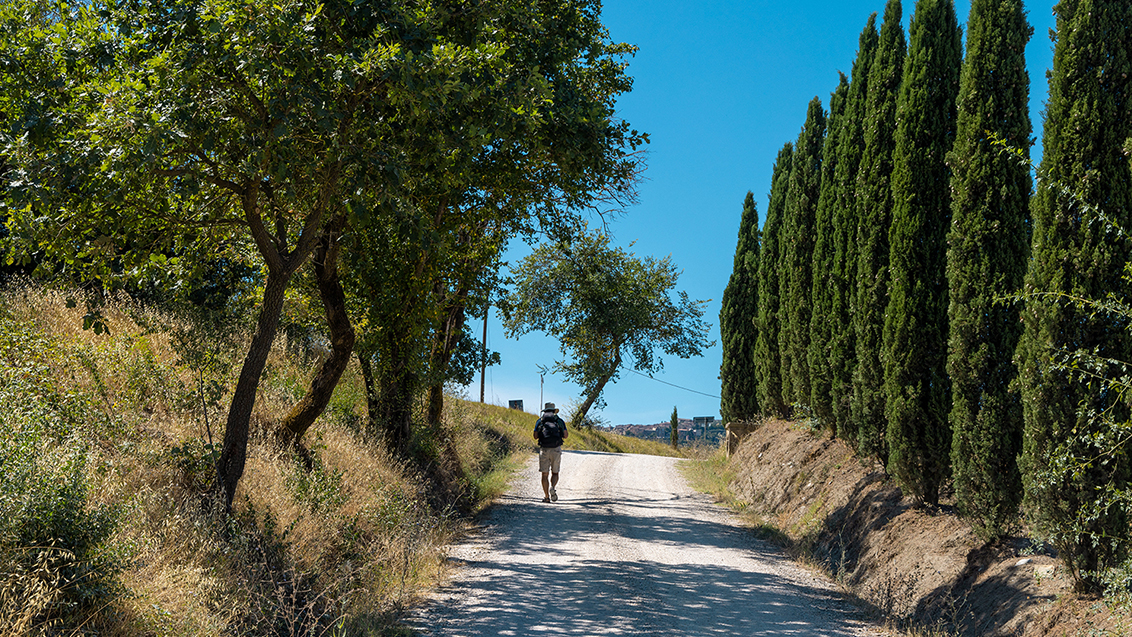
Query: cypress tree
986, 258
768, 362
915, 324
874, 213
1073, 253
843, 353
798, 248
738, 328
821, 321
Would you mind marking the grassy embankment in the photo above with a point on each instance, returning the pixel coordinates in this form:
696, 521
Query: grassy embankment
106, 449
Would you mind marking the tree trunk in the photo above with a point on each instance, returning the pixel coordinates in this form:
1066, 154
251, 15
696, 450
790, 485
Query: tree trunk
591, 398
444, 344
396, 408
304, 413
233, 455
373, 407
580, 415
282, 263
435, 404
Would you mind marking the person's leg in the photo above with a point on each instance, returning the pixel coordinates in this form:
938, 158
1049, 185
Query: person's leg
544, 467
555, 465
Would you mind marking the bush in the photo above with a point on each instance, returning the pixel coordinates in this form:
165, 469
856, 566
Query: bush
54, 566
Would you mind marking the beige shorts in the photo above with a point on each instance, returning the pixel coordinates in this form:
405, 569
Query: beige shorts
549, 459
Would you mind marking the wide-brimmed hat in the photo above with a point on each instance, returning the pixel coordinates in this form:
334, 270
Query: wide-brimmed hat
550, 407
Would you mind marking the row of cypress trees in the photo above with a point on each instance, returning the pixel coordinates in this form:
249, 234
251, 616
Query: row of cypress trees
908, 292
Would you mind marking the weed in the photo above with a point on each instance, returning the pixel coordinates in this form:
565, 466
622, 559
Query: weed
197, 460
54, 565
315, 485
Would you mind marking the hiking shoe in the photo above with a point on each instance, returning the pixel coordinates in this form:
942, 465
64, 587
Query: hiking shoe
553, 495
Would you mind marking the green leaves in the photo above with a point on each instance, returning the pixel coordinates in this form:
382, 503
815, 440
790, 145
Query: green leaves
605, 306
987, 255
737, 373
437, 131
767, 352
915, 321
1076, 256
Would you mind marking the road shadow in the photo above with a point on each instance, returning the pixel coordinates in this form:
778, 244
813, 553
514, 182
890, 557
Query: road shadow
537, 579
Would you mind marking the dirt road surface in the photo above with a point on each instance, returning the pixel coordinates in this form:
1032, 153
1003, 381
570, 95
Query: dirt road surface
629, 549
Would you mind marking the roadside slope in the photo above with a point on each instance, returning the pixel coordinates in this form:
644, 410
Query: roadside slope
917, 566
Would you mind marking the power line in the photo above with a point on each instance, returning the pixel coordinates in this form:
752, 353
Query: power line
673, 385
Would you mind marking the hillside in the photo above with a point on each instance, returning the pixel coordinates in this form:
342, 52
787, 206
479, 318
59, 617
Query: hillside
922, 568
108, 441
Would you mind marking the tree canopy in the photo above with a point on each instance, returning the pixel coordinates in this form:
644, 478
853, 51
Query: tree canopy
874, 215
988, 245
843, 280
825, 255
738, 330
1076, 254
797, 256
768, 351
277, 130
607, 308
915, 323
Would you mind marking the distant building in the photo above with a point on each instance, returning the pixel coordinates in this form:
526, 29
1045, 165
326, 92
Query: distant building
515, 404
705, 428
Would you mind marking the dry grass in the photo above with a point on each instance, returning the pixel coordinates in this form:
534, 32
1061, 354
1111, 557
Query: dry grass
337, 546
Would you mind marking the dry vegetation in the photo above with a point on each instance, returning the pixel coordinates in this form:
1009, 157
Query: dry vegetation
107, 443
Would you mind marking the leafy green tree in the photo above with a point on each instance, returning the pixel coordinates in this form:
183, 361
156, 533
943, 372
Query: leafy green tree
874, 213
821, 316
674, 429
768, 357
843, 285
224, 128
280, 126
1076, 256
915, 326
48, 53
738, 328
988, 246
464, 290
798, 248
410, 284
606, 307
522, 176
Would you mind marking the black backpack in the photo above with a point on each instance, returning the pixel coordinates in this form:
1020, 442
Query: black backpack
550, 431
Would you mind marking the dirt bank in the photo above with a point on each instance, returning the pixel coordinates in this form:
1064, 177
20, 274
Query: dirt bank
921, 567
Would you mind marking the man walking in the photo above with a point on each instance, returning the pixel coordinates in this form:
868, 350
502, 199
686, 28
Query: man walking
550, 431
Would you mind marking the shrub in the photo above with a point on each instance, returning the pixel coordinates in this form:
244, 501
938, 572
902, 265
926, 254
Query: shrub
54, 564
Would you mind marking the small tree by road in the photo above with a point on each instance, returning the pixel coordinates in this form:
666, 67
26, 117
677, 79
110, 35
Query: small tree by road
674, 432
606, 307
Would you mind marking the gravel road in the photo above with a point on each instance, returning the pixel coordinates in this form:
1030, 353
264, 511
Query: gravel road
628, 549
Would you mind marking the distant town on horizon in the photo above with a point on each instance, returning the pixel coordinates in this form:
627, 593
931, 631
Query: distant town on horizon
700, 428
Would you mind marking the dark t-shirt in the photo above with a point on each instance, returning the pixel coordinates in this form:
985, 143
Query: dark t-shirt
550, 431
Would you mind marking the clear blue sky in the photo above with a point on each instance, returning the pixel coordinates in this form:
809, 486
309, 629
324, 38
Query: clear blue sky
719, 86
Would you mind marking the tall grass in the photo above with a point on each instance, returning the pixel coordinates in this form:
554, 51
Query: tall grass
54, 566
108, 444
